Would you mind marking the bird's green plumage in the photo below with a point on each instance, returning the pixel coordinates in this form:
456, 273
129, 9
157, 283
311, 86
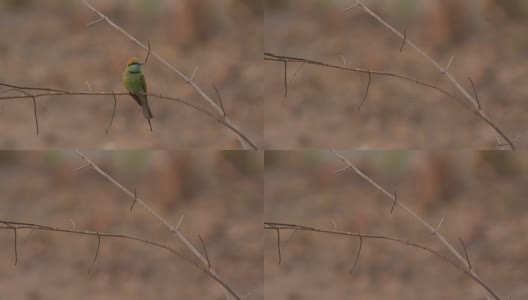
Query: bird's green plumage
134, 81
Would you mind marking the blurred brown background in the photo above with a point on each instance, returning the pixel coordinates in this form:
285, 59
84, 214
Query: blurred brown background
486, 37
47, 44
218, 193
482, 196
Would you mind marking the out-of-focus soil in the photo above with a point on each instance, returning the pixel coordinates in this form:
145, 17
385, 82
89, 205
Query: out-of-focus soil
320, 110
482, 196
219, 195
47, 44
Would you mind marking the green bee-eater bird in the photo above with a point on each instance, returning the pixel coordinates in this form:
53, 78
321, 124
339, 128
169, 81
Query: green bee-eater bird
135, 83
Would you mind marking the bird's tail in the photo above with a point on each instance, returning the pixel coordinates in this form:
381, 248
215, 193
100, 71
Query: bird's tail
146, 111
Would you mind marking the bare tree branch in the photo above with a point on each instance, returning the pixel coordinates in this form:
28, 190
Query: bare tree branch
220, 119
11, 225
156, 215
458, 86
430, 228
478, 113
174, 69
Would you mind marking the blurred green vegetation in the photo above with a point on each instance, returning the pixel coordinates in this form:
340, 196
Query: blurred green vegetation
403, 8
149, 7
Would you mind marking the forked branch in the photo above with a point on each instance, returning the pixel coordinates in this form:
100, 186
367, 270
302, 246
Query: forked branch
476, 105
157, 216
222, 119
241, 137
31, 226
396, 201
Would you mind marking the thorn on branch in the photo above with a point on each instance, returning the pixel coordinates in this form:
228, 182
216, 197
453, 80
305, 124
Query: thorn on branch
113, 114
448, 64
27, 236
342, 169
475, 92
285, 78
220, 100
465, 252
404, 39
96, 252
15, 241
192, 76
343, 59
352, 7
289, 237
179, 223
359, 252
438, 227
297, 70
335, 224
395, 201
278, 243
95, 22
135, 198
34, 104
513, 141
205, 251
16, 252
35, 113
148, 53
366, 91
80, 168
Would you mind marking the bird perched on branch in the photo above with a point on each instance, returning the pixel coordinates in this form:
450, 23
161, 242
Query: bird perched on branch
135, 83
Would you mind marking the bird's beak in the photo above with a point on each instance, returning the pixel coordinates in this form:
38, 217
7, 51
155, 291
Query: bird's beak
141, 63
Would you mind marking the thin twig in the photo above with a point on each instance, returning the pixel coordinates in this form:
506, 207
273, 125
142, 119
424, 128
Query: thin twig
148, 53
278, 240
15, 238
34, 104
404, 39
395, 201
478, 113
95, 22
448, 65
223, 121
241, 136
280, 58
297, 70
159, 218
430, 228
498, 133
465, 252
135, 198
205, 251
18, 87
284, 226
220, 100
96, 252
31, 226
80, 168
193, 73
366, 91
475, 92
113, 114
359, 252
285, 78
